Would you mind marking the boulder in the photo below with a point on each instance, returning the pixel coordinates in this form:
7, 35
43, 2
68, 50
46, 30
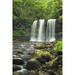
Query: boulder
59, 60
16, 68
43, 73
18, 61
32, 64
51, 72
59, 53
44, 59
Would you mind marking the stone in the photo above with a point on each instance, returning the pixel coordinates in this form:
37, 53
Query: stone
21, 71
59, 60
14, 56
30, 50
32, 64
43, 73
44, 59
16, 68
18, 61
24, 73
51, 72
58, 53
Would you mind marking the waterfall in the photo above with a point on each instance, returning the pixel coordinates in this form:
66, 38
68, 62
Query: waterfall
50, 31
41, 36
53, 29
33, 31
43, 33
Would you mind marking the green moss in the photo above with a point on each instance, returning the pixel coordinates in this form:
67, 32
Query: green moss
58, 46
39, 53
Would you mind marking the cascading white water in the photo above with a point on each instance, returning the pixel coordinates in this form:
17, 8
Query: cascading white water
33, 31
45, 33
50, 31
53, 29
41, 36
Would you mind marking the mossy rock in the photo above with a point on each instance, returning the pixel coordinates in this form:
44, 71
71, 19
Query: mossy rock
33, 64
39, 53
44, 58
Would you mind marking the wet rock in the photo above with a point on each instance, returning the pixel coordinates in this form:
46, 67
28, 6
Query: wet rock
32, 64
18, 73
18, 61
57, 63
58, 53
14, 56
21, 71
19, 51
51, 72
16, 68
59, 60
44, 59
43, 73
32, 73
24, 73
30, 50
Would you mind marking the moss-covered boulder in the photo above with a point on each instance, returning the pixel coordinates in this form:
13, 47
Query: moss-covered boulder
33, 64
42, 56
39, 53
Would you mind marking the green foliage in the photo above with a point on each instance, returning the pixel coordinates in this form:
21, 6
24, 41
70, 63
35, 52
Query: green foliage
58, 46
26, 11
19, 33
54, 8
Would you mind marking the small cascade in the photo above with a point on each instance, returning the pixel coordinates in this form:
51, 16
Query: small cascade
33, 31
41, 34
53, 29
50, 31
